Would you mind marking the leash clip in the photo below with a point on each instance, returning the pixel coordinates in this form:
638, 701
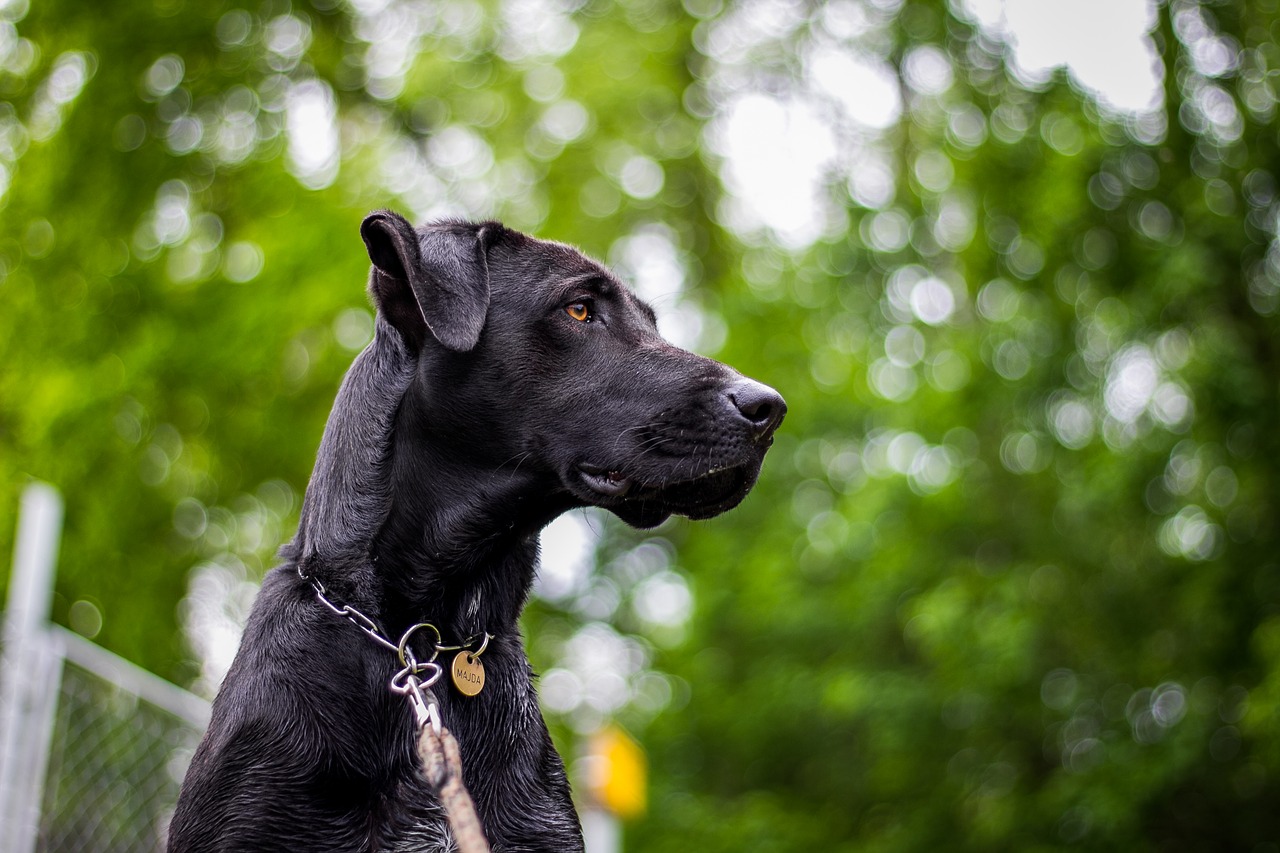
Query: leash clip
418, 694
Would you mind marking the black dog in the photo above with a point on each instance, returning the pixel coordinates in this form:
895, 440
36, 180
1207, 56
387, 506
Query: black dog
509, 379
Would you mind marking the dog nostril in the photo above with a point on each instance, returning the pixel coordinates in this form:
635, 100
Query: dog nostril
757, 411
759, 404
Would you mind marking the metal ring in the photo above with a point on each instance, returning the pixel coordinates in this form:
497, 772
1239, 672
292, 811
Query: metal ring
406, 655
436, 671
400, 681
483, 646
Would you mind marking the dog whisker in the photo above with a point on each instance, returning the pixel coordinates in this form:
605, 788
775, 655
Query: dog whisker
519, 459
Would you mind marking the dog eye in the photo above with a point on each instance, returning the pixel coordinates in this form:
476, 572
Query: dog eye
578, 311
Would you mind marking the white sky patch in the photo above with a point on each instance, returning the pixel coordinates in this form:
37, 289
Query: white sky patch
213, 613
1131, 383
312, 123
652, 263
568, 556
535, 28
393, 33
1190, 534
1105, 44
459, 151
781, 150
649, 259
1136, 385
778, 153
600, 671
664, 599
932, 301
865, 86
66, 80
927, 70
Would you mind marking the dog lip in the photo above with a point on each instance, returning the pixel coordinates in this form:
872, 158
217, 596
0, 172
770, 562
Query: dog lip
699, 497
704, 496
726, 485
608, 483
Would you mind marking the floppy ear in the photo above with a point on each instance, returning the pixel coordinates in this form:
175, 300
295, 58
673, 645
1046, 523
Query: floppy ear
436, 281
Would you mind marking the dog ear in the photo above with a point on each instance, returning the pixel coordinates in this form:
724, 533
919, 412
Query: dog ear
436, 281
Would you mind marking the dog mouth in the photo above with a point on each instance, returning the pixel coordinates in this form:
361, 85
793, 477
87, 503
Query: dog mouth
699, 497
611, 484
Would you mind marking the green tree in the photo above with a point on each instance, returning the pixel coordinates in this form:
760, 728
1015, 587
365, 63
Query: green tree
1025, 594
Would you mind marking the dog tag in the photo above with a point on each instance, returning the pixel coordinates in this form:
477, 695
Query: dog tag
468, 673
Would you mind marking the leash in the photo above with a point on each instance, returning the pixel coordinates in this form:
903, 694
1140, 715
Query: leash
438, 752
442, 769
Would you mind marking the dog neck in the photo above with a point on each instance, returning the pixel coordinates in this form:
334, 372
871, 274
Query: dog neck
460, 543
402, 521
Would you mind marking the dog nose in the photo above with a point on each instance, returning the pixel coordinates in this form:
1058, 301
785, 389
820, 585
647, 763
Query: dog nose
762, 406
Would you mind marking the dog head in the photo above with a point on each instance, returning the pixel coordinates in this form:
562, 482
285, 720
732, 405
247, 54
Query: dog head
533, 356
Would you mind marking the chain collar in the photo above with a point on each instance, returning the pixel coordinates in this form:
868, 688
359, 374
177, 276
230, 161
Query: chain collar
440, 755
407, 658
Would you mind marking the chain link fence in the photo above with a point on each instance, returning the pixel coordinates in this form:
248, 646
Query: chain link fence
92, 747
115, 764
118, 746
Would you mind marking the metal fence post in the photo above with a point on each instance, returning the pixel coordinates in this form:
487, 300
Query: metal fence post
29, 676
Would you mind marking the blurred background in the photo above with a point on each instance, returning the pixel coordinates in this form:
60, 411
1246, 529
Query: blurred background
1010, 578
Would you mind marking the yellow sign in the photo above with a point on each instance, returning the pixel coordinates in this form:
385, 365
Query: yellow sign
617, 770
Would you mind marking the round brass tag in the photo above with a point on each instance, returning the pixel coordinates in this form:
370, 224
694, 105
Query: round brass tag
468, 673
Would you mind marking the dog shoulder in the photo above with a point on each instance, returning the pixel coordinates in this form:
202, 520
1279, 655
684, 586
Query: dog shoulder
240, 774
272, 739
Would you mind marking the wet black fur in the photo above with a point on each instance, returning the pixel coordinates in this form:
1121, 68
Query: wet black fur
481, 410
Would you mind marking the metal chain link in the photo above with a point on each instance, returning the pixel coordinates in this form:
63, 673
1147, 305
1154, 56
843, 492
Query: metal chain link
364, 623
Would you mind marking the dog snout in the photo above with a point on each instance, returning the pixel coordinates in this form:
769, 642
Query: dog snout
761, 406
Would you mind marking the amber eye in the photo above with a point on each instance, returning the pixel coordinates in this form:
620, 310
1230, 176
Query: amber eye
578, 311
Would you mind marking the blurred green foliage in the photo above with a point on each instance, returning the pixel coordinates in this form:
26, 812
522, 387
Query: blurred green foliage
1009, 580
